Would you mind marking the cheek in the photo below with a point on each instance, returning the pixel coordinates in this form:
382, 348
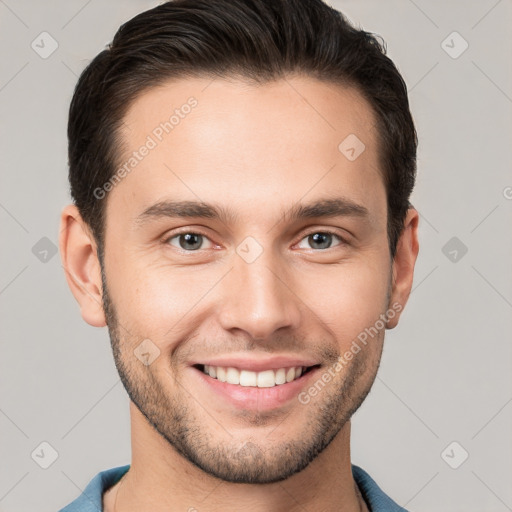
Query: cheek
349, 299
159, 302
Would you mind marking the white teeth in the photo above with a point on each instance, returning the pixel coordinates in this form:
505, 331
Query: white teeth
281, 376
248, 378
232, 376
290, 374
221, 373
264, 379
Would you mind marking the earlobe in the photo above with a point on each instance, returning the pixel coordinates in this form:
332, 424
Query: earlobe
81, 265
403, 265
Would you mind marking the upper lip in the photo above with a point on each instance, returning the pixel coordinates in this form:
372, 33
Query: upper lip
258, 365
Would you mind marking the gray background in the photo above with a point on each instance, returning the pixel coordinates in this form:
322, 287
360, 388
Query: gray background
446, 370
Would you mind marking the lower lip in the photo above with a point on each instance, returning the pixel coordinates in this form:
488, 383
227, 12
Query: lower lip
251, 397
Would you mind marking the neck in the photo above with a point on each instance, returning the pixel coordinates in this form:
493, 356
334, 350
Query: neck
160, 479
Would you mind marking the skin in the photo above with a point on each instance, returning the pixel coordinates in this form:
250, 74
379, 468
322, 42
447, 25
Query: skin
256, 150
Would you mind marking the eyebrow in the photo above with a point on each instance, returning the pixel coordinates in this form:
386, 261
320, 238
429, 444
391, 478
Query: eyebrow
335, 207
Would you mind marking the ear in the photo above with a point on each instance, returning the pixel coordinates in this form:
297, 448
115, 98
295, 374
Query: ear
81, 265
403, 264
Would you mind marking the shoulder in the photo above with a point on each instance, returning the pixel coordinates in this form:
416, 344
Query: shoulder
376, 499
91, 498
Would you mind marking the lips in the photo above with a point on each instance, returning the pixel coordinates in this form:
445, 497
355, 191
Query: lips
256, 389
256, 372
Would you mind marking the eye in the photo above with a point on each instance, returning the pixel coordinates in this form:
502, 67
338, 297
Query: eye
322, 240
188, 241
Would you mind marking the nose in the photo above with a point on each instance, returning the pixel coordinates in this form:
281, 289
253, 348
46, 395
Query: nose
258, 297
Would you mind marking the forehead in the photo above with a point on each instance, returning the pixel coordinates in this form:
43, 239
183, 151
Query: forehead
221, 106
247, 146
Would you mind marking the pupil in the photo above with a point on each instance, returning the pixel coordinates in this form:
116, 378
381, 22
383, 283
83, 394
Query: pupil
320, 238
189, 239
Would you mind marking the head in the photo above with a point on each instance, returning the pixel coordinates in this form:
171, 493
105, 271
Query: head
241, 173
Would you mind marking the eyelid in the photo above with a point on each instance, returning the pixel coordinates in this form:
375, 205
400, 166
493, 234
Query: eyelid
342, 239
168, 236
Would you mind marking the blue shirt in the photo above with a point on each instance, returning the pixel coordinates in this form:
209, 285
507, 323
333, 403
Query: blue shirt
91, 499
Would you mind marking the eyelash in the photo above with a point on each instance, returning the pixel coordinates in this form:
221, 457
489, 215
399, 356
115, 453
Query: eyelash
342, 240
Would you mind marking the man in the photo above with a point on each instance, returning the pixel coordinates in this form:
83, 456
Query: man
241, 173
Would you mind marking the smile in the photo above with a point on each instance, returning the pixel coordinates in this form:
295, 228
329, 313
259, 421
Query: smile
247, 378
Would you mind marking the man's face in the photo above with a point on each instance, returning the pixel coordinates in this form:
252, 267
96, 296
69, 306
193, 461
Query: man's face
256, 289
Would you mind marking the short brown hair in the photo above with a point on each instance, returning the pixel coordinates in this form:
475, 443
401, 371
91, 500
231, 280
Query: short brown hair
260, 40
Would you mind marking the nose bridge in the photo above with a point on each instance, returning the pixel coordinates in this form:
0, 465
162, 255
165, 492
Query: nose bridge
257, 296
